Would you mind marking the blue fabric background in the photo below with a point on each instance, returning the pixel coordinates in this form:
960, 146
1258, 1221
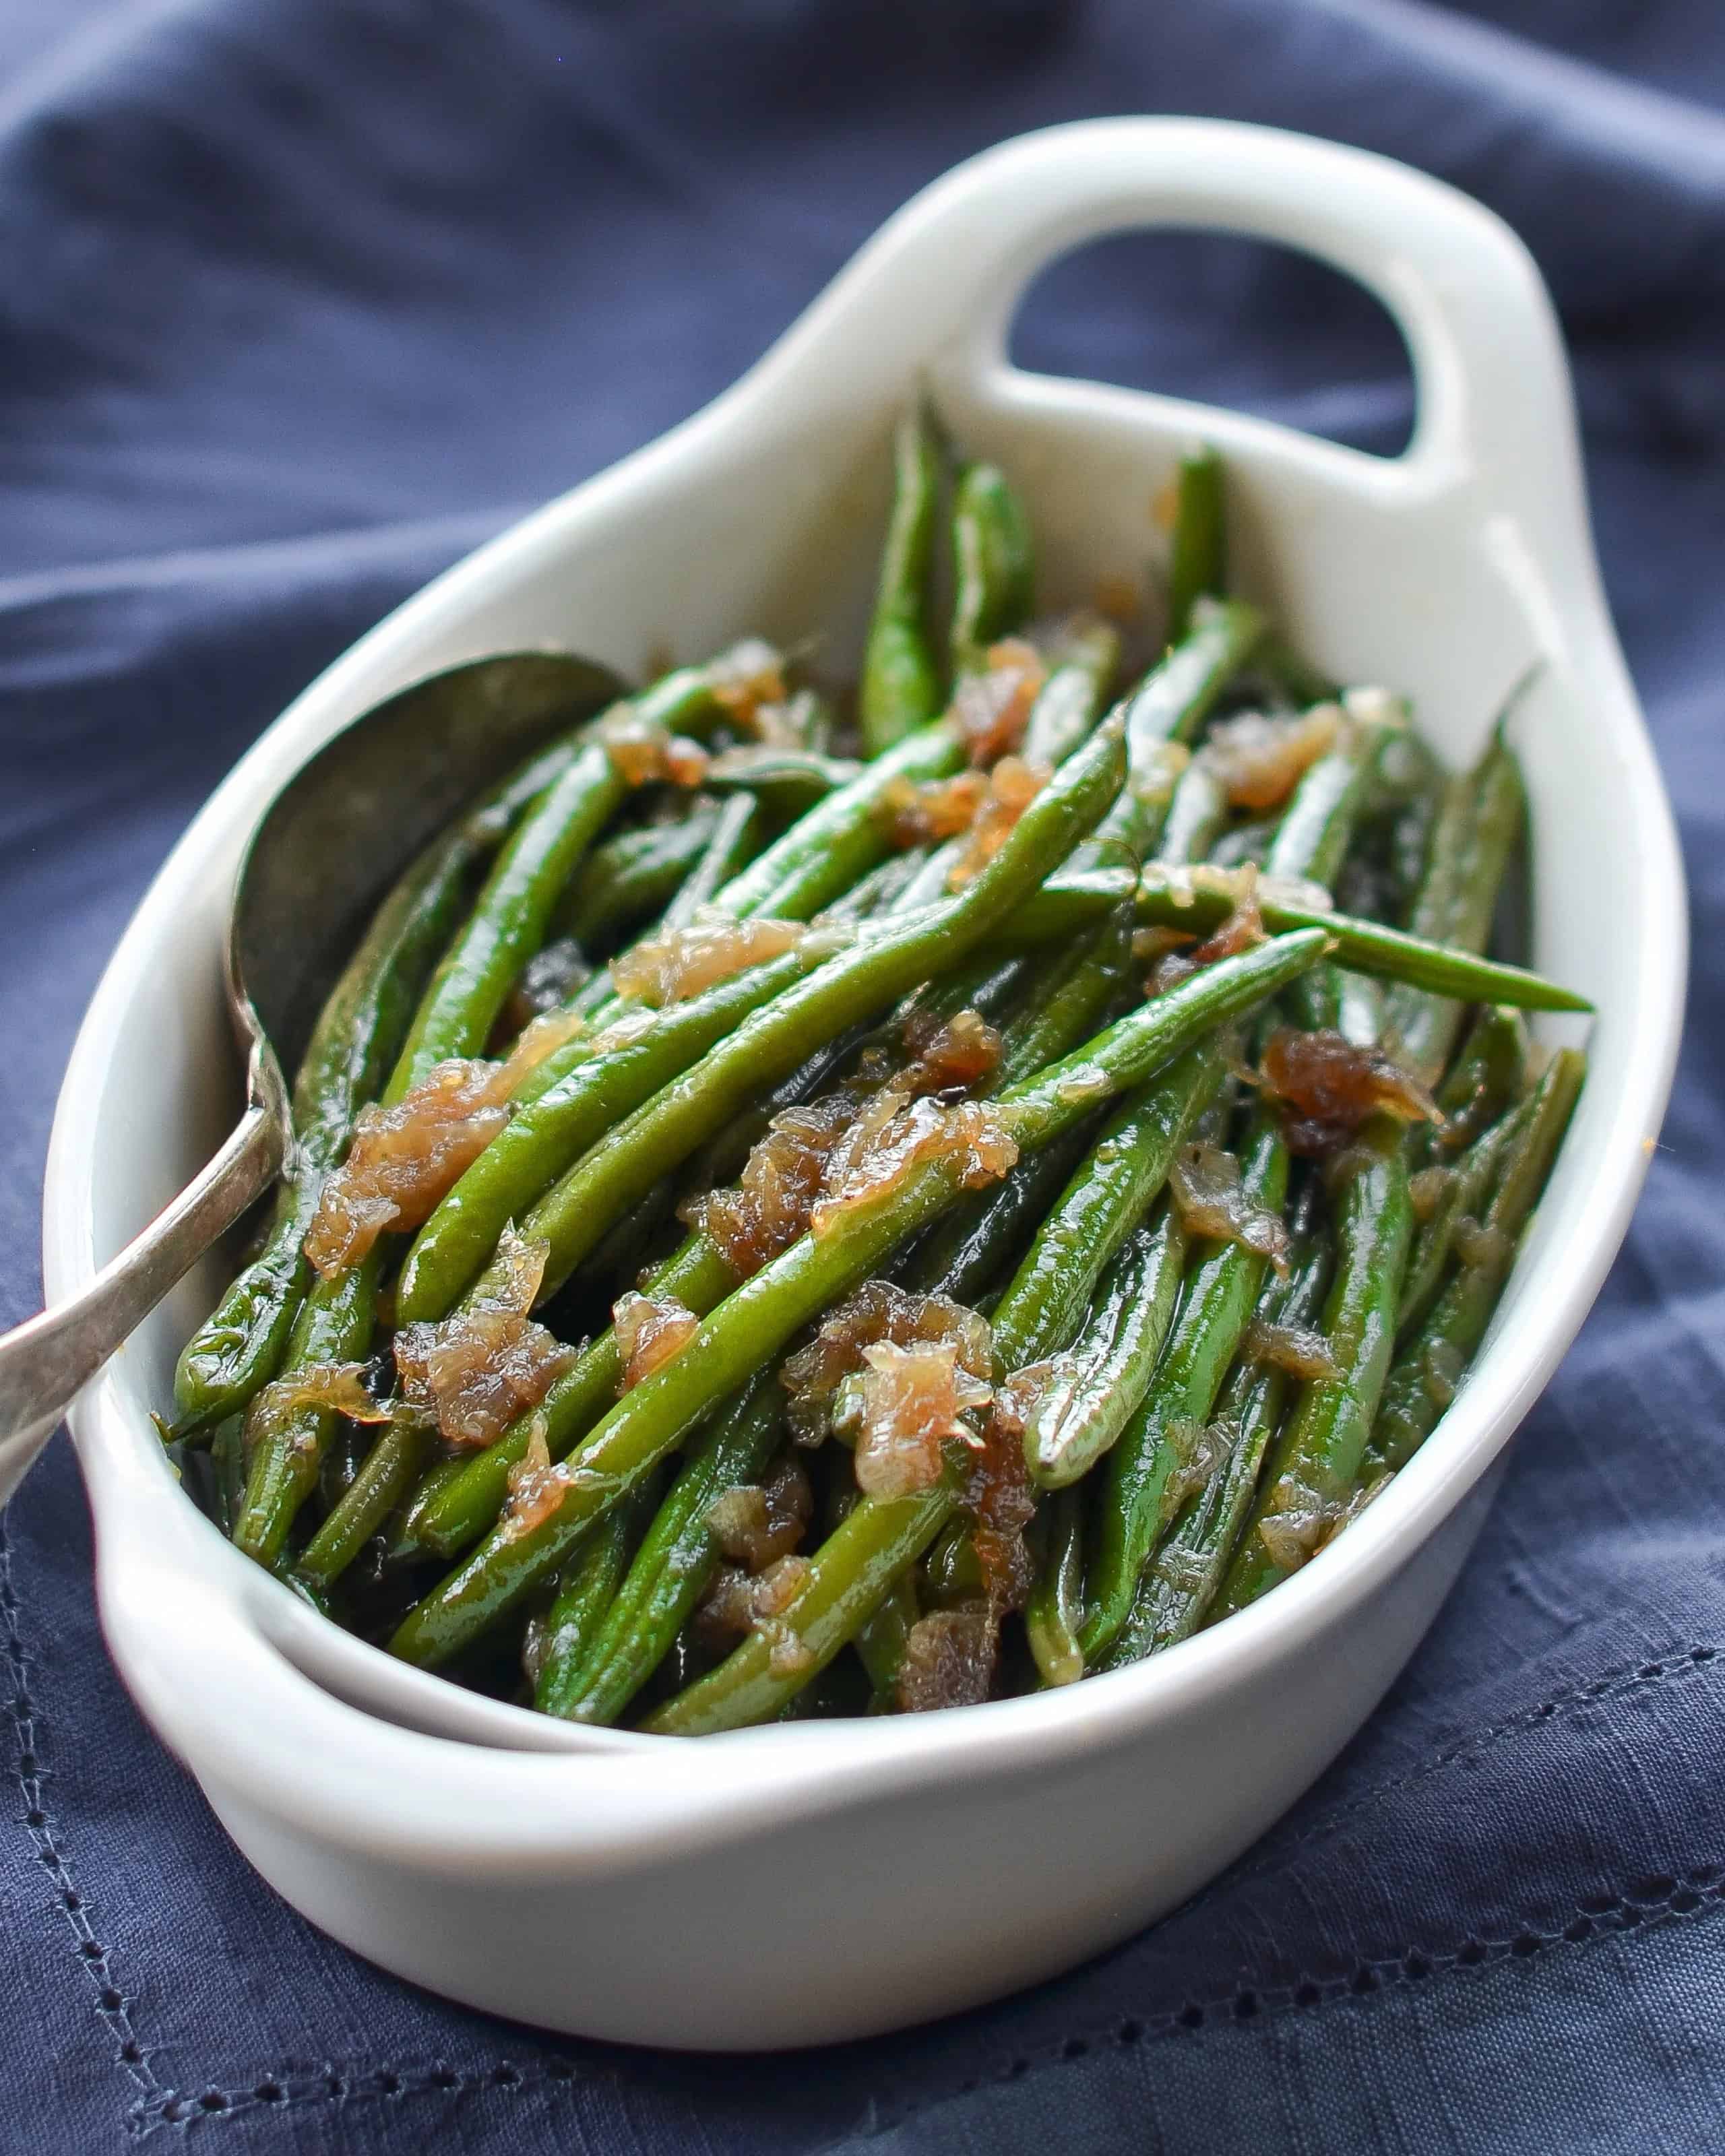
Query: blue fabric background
301, 298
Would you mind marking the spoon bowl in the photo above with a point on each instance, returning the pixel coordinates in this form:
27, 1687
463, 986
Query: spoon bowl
328, 843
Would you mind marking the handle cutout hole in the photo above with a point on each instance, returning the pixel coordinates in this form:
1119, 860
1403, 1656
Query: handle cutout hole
1224, 319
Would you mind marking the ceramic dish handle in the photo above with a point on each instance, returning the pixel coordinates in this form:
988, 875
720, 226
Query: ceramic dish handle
1494, 410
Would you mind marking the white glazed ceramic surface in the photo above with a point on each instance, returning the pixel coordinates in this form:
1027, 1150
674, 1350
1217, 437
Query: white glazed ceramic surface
800, 1883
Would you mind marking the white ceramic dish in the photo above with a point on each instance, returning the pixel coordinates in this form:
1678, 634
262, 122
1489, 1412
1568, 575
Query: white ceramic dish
802, 1883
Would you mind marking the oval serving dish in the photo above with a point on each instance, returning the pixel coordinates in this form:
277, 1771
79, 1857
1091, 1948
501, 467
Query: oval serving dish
853, 1875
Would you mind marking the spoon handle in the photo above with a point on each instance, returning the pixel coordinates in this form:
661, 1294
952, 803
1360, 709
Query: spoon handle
46, 1360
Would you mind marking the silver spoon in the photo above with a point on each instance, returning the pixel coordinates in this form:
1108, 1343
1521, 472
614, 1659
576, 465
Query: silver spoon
318, 861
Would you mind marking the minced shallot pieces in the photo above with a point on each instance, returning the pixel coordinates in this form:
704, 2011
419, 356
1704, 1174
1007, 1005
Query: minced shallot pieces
331, 1387
649, 1331
537, 1484
948, 1056
782, 1178
643, 751
970, 1134
404, 1158
1334, 1086
1242, 929
993, 707
737, 1603
715, 945
948, 1660
911, 1401
1212, 1201
748, 681
1260, 761
923, 815
755, 1523
876, 1313
1295, 1348
1013, 786
476, 1370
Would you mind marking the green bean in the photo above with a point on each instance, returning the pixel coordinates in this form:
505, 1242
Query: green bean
227, 1456
672, 1568
1486, 1079
1464, 1199
661, 1133
460, 1501
1175, 698
1479, 823
1197, 555
901, 686
840, 840
1055, 1610
1142, 1476
1183, 1578
751, 1323
1429, 1369
993, 570
1312, 1467
1082, 661
334, 1324
358, 1034
734, 842
585, 1590
628, 878
1065, 901
785, 781
509, 920
881, 1638
1092, 1393
545, 1136
384, 1479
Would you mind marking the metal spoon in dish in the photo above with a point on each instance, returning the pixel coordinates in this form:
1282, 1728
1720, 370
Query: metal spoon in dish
368, 799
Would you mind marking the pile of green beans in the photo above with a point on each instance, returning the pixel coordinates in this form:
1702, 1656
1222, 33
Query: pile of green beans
1220, 1312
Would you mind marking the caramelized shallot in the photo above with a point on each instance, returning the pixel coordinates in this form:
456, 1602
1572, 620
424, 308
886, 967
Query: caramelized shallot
537, 1484
475, 1371
968, 1133
877, 1313
755, 1523
715, 945
748, 682
1260, 761
403, 1158
1212, 1202
1013, 786
781, 1180
1242, 929
923, 815
948, 1056
948, 1660
643, 751
1295, 1348
337, 1388
649, 1331
1334, 1086
912, 1401
993, 707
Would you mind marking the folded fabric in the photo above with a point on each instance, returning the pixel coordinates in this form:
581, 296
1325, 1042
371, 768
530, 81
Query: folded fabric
299, 300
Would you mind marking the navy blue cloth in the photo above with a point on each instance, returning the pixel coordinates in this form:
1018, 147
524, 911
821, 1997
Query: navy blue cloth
299, 299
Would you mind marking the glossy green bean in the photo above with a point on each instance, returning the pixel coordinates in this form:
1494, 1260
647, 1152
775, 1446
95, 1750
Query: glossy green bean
630, 877
755, 1320
1183, 1578
901, 685
334, 1325
993, 567
1429, 1368
1480, 822
385, 1476
671, 1568
1313, 1464
1161, 900
1464, 1199
1096, 1385
1054, 1613
586, 1591
851, 986
1141, 1474
543, 1136
1198, 550
1082, 661
734, 841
